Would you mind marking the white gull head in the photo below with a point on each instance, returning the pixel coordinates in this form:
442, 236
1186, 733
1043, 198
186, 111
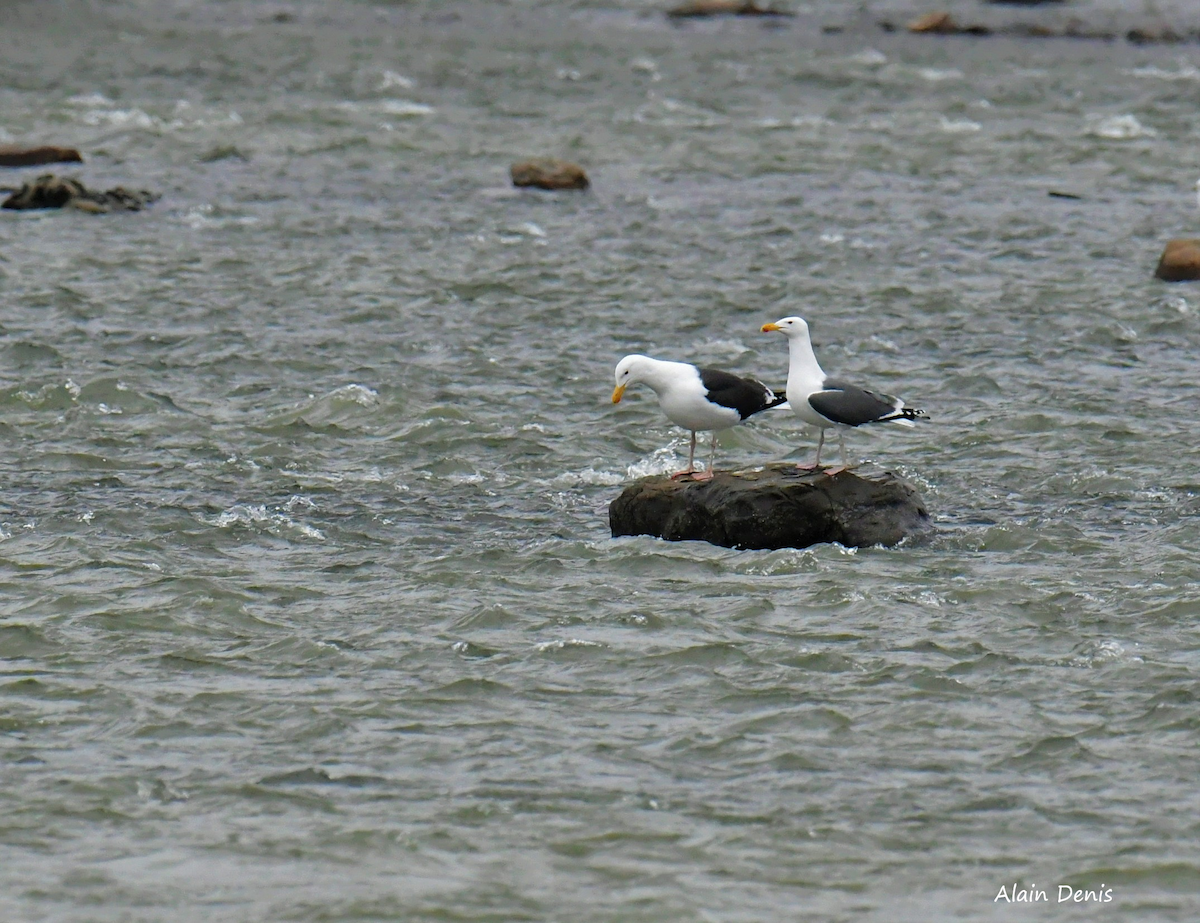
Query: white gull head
631, 370
790, 327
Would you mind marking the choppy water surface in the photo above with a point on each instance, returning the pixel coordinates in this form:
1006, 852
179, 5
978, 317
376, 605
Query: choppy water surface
310, 610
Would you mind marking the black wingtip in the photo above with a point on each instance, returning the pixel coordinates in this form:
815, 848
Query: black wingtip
780, 398
912, 413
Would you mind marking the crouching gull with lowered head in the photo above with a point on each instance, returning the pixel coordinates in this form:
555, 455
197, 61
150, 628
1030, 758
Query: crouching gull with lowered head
696, 399
824, 402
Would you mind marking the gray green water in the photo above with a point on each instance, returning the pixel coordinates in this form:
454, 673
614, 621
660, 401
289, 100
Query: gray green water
309, 607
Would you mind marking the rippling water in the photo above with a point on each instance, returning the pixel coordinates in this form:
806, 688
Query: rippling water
310, 610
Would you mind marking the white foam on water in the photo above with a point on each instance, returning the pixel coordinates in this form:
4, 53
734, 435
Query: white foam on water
785, 561
358, 394
1120, 128
202, 217
664, 461
935, 75
405, 107
475, 478
527, 229
547, 646
122, 118
401, 108
1094, 654
588, 477
871, 57
959, 126
811, 121
88, 100
645, 66
254, 515
392, 80
1185, 72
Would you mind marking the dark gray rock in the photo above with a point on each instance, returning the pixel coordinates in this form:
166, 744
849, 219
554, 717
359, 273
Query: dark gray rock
779, 506
13, 155
50, 191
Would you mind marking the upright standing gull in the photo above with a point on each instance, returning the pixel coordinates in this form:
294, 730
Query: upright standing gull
824, 402
696, 399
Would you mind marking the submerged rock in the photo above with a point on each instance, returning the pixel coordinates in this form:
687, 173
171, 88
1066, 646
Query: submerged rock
12, 155
548, 173
938, 23
1180, 261
780, 506
697, 8
1158, 36
942, 23
50, 191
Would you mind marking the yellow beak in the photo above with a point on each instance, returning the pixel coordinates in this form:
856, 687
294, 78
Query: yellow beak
617, 392
767, 328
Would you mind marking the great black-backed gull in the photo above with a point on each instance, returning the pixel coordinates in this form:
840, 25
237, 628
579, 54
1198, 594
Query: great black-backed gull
696, 399
824, 402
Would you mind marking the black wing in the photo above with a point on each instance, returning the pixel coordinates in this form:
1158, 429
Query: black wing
745, 395
850, 405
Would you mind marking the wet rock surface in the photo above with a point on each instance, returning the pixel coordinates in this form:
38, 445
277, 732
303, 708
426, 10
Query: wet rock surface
700, 8
549, 173
1180, 261
937, 23
942, 23
780, 506
12, 155
51, 191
